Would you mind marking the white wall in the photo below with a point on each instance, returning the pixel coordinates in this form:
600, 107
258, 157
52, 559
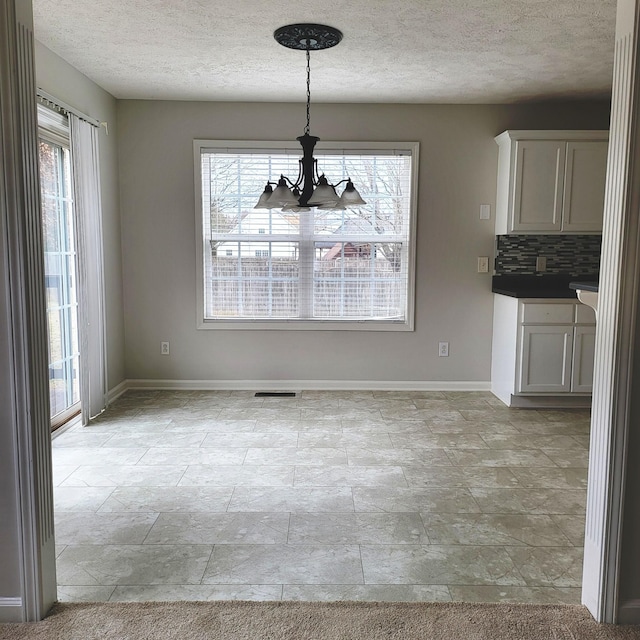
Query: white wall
66, 83
9, 525
458, 159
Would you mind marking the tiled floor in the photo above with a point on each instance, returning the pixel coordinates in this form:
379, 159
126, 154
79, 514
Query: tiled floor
325, 496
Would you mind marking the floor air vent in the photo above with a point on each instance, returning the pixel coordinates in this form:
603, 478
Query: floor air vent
275, 394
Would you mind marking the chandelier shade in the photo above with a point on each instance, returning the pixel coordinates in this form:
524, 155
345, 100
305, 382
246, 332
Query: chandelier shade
309, 189
350, 196
264, 198
323, 194
282, 195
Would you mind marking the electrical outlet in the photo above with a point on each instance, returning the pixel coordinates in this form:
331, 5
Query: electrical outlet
541, 263
483, 264
164, 348
443, 349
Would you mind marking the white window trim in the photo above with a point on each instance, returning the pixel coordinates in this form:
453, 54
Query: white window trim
294, 324
53, 128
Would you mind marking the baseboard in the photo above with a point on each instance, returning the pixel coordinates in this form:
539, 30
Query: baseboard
303, 385
117, 391
550, 402
629, 612
11, 610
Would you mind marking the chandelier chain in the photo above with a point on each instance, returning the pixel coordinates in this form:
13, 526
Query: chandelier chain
307, 128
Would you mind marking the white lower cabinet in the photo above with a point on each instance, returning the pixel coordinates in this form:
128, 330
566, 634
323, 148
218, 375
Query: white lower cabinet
584, 350
543, 351
545, 359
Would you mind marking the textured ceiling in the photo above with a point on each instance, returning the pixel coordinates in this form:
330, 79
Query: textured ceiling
446, 51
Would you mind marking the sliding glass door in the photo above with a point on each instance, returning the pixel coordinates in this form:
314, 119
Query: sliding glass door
61, 280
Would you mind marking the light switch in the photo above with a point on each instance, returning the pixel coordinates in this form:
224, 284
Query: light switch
485, 212
483, 264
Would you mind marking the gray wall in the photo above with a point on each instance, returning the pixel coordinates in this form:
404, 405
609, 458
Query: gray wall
458, 159
66, 83
630, 574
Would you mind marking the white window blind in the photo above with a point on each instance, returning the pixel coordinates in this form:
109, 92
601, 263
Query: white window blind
353, 266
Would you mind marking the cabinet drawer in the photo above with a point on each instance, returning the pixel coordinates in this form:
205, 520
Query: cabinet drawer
585, 314
544, 313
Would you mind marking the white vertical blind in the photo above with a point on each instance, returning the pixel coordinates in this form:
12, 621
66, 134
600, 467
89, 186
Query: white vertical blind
86, 187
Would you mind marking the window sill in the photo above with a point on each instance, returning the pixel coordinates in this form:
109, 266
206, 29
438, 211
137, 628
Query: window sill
305, 325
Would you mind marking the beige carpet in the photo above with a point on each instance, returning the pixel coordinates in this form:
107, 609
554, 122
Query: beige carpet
305, 621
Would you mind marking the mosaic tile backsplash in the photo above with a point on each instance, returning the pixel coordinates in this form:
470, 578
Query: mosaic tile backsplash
566, 255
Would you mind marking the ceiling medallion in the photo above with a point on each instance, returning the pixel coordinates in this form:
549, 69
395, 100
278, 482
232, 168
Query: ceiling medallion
314, 37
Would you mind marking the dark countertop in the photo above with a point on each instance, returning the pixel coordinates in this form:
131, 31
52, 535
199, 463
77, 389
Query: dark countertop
530, 286
585, 285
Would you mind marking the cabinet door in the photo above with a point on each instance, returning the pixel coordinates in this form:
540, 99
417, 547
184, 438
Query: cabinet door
538, 185
584, 184
584, 349
545, 359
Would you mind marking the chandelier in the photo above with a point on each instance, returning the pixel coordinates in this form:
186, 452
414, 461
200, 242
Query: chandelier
310, 189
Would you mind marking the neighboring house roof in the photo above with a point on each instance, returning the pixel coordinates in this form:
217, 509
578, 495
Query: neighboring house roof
350, 227
288, 220
341, 247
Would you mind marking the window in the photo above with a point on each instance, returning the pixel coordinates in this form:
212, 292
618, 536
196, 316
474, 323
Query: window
72, 224
321, 269
60, 261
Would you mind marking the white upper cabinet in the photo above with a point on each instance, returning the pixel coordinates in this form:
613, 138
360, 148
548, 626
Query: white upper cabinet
537, 195
584, 181
551, 181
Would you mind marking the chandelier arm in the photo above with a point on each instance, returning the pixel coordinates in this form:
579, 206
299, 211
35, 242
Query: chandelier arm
337, 184
291, 184
300, 173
